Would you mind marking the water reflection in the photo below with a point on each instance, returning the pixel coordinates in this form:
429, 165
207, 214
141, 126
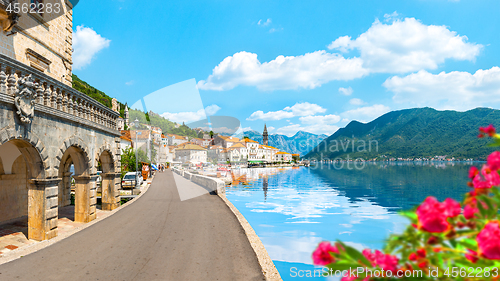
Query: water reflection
292, 210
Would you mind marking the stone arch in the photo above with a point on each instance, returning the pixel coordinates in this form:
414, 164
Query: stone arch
109, 179
31, 147
79, 146
24, 182
106, 154
74, 152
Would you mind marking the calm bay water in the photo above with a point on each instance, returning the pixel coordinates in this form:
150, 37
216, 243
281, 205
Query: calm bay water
292, 210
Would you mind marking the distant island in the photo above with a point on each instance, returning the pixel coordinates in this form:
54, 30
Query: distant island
412, 134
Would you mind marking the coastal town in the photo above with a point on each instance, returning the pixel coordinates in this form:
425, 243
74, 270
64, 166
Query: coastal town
172, 149
249, 140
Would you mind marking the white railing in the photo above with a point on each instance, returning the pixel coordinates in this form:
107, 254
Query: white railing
54, 95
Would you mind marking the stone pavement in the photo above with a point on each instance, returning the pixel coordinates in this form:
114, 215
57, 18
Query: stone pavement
157, 237
14, 235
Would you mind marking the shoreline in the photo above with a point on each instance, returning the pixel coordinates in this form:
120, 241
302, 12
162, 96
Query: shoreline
267, 265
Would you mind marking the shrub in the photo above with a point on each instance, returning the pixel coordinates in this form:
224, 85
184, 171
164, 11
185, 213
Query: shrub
445, 241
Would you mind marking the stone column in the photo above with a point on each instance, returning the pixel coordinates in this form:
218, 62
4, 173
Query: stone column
110, 192
93, 197
82, 198
42, 209
65, 190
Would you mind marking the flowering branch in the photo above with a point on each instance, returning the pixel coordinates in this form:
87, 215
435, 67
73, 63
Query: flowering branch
445, 241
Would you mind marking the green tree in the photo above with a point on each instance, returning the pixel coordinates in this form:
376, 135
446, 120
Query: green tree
128, 159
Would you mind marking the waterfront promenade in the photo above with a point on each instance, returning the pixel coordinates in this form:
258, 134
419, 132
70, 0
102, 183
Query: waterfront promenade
158, 237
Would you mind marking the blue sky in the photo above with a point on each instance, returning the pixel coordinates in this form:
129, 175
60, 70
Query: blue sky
294, 65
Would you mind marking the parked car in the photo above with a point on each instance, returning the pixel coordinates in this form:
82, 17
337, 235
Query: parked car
131, 180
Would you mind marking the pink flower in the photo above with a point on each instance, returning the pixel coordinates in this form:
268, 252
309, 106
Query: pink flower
452, 208
486, 179
472, 256
322, 255
480, 183
470, 210
488, 241
473, 171
384, 261
369, 255
421, 253
433, 215
494, 161
490, 130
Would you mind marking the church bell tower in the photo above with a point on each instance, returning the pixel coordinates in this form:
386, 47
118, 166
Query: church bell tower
264, 136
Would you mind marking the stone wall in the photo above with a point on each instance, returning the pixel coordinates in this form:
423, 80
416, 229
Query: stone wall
65, 125
212, 184
51, 38
14, 192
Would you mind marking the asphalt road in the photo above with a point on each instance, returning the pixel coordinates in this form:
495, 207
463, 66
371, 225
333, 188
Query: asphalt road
158, 237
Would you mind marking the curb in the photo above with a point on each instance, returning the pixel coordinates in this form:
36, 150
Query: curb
265, 261
24, 251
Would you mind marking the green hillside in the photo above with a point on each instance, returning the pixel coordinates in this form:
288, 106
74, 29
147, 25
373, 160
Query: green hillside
168, 127
154, 118
410, 133
94, 93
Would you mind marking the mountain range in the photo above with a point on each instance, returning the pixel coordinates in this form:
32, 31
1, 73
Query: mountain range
300, 143
410, 133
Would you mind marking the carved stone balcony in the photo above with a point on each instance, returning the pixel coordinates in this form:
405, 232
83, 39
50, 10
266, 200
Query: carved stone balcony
31, 90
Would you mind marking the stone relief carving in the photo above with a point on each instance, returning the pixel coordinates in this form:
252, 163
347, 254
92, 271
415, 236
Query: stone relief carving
114, 105
25, 99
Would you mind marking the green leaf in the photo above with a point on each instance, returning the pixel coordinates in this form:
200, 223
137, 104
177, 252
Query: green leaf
482, 210
409, 214
453, 243
343, 265
468, 243
355, 254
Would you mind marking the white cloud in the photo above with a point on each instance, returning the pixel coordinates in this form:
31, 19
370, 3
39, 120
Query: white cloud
391, 17
356, 101
345, 91
212, 109
399, 46
188, 117
454, 90
130, 83
365, 114
407, 45
299, 109
265, 23
306, 71
291, 130
270, 128
321, 124
322, 119
271, 115
272, 30
86, 44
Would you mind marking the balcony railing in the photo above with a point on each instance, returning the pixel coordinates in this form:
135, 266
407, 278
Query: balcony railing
54, 97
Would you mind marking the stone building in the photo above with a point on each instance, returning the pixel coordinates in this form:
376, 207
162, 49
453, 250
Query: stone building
191, 153
49, 132
40, 40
